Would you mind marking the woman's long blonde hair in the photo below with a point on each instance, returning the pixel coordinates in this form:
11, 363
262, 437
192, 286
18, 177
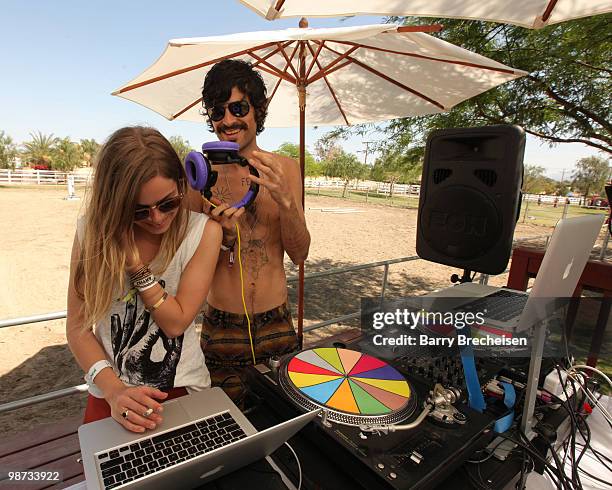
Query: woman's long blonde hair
130, 158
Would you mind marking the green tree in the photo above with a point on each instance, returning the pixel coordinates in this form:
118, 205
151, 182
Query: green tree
345, 166
565, 97
90, 149
40, 149
397, 166
327, 147
181, 146
8, 151
311, 167
590, 175
533, 177
66, 155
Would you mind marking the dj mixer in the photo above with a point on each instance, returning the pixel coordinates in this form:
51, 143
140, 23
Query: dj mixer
365, 401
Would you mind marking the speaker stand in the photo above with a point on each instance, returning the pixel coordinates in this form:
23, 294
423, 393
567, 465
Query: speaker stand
467, 277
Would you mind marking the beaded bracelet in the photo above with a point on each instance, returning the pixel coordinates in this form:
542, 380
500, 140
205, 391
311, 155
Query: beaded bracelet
145, 283
144, 271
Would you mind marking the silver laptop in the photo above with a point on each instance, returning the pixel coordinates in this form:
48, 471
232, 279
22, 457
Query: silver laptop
568, 251
203, 436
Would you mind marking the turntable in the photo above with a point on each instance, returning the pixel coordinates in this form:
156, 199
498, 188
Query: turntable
357, 391
352, 387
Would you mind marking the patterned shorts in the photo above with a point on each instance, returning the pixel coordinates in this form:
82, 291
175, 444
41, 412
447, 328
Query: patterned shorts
226, 346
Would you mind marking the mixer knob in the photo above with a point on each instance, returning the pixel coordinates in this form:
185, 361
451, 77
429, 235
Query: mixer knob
380, 466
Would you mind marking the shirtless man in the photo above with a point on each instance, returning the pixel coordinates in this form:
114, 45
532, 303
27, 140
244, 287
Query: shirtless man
234, 97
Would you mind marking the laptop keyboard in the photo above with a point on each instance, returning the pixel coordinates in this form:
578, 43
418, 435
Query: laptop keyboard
502, 305
139, 459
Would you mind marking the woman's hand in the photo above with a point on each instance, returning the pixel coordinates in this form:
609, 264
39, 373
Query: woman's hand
136, 402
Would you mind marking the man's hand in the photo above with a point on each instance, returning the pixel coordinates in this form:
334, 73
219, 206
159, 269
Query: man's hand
272, 176
226, 216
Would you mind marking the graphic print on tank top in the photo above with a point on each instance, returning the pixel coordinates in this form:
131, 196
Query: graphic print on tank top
141, 351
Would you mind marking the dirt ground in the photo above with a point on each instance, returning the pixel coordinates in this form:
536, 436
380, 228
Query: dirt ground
37, 231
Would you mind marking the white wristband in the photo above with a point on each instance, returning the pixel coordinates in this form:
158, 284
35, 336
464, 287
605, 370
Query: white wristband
95, 370
140, 290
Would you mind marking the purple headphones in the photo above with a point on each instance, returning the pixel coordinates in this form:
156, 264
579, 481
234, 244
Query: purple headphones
202, 178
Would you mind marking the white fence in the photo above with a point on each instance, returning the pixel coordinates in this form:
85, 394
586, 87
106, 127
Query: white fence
362, 185
414, 189
40, 177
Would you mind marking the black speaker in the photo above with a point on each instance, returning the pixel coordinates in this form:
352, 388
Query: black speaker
471, 197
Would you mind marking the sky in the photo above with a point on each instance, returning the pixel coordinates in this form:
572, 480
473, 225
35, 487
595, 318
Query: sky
63, 59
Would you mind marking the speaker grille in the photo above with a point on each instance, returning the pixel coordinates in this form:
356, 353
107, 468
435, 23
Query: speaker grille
441, 174
486, 176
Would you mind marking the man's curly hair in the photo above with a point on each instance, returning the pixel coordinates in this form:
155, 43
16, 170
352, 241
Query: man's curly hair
227, 74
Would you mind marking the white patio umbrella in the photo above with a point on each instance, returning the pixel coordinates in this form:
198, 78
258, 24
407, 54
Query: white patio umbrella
349, 75
533, 14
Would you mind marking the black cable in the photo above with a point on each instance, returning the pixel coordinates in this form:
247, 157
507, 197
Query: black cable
489, 456
477, 484
573, 425
597, 455
520, 484
594, 477
551, 470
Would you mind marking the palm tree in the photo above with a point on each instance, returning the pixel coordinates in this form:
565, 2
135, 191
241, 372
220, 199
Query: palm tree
67, 155
181, 146
8, 151
90, 147
39, 151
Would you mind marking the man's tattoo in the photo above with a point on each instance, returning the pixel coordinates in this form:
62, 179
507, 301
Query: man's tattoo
222, 193
254, 249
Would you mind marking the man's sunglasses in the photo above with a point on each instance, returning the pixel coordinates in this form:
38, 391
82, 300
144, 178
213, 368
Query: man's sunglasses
237, 109
164, 206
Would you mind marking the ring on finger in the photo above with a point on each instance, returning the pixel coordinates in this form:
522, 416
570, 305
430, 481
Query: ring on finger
147, 412
125, 414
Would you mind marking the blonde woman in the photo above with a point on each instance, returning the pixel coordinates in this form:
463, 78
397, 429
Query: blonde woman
141, 267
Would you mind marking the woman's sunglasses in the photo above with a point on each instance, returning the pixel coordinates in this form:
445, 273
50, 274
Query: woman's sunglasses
237, 109
165, 206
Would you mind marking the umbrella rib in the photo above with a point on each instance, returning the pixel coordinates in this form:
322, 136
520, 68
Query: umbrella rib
331, 90
182, 111
329, 72
391, 80
430, 58
326, 71
425, 28
549, 8
282, 50
278, 82
272, 70
314, 58
191, 68
272, 53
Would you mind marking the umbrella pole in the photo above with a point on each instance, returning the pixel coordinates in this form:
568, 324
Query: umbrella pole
302, 103
301, 266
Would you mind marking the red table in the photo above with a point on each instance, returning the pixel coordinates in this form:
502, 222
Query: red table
597, 276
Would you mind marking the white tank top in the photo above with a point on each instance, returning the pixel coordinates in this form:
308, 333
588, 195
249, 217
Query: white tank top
137, 348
